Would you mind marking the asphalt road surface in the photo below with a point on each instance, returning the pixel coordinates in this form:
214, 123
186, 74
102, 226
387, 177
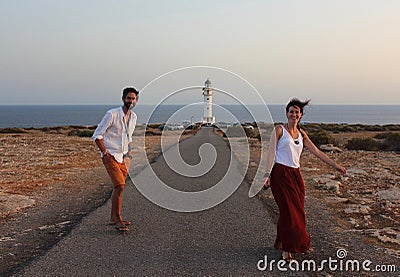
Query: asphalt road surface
228, 239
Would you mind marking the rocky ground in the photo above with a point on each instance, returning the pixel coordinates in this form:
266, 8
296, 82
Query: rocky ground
365, 202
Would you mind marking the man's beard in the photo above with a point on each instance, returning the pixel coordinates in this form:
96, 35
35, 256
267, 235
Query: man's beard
129, 106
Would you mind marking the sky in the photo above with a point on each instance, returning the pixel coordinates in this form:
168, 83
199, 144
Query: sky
85, 52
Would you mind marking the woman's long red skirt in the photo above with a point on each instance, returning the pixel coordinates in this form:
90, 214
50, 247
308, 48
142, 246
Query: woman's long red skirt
288, 190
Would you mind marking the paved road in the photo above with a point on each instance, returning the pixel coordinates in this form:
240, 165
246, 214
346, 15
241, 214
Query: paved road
228, 239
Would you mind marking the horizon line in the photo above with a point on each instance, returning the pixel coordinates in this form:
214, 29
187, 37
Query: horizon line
232, 104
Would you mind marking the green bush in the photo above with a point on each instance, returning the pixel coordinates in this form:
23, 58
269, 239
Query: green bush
392, 127
153, 132
391, 141
81, 133
319, 138
344, 127
12, 131
381, 142
389, 136
368, 144
329, 127
85, 133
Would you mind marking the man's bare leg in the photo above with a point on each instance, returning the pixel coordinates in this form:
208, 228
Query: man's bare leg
116, 206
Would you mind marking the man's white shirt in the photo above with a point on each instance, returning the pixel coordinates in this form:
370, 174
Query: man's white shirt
116, 132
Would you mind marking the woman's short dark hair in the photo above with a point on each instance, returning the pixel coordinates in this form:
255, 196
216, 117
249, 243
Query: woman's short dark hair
129, 90
298, 103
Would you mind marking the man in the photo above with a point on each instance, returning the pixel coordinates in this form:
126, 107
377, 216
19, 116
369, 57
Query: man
112, 136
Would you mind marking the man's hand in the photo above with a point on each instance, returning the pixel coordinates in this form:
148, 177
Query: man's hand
127, 162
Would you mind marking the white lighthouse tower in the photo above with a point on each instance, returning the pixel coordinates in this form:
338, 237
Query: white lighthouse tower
208, 93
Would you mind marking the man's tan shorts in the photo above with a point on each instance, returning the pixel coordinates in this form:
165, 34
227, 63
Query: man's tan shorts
117, 171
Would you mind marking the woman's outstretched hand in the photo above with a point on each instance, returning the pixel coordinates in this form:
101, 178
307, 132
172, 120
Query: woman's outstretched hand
341, 169
267, 184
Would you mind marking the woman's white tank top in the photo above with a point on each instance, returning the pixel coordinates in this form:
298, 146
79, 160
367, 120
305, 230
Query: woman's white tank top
288, 150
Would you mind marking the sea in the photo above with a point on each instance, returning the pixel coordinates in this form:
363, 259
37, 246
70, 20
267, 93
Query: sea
89, 115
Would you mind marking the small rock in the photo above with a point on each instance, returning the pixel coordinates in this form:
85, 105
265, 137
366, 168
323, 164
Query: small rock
310, 169
345, 178
364, 200
6, 239
10, 203
326, 184
45, 227
388, 218
321, 180
367, 219
352, 172
387, 235
357, 209
333, 186
335, 200
392, 195
330, 148
354, 222
64, 223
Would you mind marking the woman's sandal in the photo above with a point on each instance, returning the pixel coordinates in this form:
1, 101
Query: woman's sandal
287, 256
125, 222
265, 187
122, 228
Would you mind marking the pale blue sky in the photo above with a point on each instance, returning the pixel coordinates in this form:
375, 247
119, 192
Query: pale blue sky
84, 52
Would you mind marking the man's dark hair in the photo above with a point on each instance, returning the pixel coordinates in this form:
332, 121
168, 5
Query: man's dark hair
129, 90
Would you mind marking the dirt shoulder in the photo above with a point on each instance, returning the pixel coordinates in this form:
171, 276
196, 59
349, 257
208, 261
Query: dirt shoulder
49, 181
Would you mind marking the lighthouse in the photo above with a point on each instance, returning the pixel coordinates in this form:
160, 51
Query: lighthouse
208, 94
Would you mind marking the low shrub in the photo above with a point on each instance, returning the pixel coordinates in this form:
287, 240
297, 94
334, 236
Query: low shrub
368, 144
81, 133
389, 136
329, 127
85, 133
319, 138
153, 132
344, 127
391, 141
12, 131
392, 127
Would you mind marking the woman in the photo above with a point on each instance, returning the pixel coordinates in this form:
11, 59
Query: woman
287, 184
